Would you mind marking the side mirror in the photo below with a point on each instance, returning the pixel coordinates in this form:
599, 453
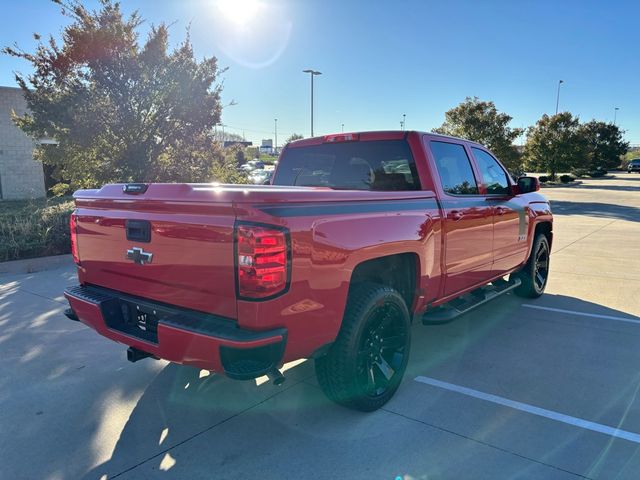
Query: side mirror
528, 184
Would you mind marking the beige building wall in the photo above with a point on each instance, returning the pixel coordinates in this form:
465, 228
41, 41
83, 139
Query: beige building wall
20, 176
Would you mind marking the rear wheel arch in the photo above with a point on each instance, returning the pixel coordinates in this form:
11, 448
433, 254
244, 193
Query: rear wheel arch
398, 271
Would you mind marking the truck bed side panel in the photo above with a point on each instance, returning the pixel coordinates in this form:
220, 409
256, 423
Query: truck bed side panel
328, 241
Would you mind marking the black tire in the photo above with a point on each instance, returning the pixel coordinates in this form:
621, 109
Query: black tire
535, 274
365, 365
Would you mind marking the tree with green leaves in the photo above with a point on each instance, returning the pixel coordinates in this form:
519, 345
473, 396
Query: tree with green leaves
605, 144
201, 160
222, 137
481, 122
120, 109
632, 153
556, 144
293, 138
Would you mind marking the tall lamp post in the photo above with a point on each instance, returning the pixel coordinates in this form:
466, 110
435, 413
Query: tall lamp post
615, 115
312, 73
275, 120
560, 82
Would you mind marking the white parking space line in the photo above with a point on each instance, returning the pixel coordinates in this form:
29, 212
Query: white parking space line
583, 314
525, 407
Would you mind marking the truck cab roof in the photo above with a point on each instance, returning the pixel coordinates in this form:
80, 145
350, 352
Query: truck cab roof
372, 135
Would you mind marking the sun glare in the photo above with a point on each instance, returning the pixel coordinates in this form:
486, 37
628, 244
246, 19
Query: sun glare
240, 12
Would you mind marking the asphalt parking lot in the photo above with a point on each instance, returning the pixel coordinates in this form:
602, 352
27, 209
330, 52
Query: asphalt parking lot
517, 389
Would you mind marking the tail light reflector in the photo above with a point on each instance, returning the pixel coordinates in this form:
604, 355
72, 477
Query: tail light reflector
262, 263
73, 227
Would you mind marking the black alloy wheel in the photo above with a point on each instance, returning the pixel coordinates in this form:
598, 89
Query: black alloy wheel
535, 274
382, 350
365, 365
541, 266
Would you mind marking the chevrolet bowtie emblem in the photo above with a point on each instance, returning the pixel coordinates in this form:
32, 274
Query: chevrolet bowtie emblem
139, 256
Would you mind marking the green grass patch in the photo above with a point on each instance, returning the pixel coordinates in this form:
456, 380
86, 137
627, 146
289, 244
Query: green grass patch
34, 228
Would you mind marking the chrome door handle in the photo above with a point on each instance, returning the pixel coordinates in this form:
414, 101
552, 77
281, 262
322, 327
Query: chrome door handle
500, 210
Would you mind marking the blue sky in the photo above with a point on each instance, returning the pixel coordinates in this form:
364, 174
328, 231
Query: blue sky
382, 59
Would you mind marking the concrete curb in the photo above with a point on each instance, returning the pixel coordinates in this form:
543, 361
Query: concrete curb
31, 265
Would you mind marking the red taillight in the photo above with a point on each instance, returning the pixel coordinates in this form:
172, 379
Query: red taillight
261, 262
73, 227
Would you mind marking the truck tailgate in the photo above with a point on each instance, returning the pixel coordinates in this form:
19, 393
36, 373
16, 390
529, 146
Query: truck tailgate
187, 259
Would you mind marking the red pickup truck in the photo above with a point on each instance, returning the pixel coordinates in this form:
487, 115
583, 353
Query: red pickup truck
359, 235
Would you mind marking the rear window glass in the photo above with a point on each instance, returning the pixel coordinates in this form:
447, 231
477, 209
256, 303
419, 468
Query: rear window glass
378, 165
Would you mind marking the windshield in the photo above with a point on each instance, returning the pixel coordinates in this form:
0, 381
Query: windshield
376, 165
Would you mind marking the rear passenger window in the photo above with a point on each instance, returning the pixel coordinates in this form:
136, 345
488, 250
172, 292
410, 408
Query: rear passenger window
493, 176
454, 168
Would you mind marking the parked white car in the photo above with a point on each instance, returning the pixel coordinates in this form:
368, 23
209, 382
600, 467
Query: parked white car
252, 165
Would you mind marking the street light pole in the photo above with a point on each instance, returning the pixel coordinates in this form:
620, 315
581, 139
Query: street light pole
276, 133
342, 128
404, 121
615, 115
560, 82
312, 73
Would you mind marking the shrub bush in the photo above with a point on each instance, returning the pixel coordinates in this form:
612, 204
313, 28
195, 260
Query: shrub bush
61, 189
543, 179
566, 178
34, 228
580, 172
598, 172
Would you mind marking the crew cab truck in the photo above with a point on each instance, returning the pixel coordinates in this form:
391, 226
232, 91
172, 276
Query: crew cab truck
359, 235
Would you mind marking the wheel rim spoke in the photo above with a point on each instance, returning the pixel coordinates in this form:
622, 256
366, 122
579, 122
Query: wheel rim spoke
394, 342
385, 368
541, 266
396, 360
371, 380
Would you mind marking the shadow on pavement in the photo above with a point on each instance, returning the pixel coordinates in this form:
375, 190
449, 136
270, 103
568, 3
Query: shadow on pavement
621, 188
181, 404
594, 209
188, 426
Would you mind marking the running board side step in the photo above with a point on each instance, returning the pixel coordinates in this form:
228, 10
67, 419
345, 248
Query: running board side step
467, 302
